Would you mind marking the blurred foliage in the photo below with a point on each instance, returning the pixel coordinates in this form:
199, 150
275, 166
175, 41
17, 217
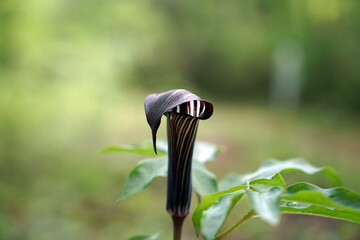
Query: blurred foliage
74, 74
226, 50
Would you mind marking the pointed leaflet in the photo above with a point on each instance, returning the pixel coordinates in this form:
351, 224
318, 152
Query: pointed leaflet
331, 197
143, 148
215, 216
306, 198
308, 209
142, 175
204, 182
208, 201
276, 180
272, 166
157, 104
266, 203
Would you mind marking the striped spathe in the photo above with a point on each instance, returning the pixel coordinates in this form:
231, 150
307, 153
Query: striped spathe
183, 110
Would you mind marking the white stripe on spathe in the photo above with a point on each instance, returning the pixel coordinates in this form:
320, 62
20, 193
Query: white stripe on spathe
192, 113
194, 108
203, 109
197, 108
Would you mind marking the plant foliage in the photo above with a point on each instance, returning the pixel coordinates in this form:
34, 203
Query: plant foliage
265, 190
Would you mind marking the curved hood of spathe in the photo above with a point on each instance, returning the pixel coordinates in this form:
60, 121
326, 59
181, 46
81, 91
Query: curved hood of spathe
157, 104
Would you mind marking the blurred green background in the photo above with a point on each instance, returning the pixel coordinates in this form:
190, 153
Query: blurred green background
284, 77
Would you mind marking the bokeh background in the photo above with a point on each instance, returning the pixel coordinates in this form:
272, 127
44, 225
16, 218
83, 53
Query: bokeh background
284, 77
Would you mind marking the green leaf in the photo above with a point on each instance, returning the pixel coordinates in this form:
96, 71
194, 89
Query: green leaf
266, 203
214, 218
207, 201
342, 214
230, 180
143, 174
145, 237
204, 151
339, 202
276, 180
272, 166
204, 181
143, 148
331, 197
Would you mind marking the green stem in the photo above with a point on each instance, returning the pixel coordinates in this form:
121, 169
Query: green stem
178, 223
234, 227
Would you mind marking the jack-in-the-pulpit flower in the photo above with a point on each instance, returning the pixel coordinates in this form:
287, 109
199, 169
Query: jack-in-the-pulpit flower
183, 110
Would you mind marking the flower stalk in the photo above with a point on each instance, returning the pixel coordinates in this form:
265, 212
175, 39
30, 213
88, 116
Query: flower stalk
177, 225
